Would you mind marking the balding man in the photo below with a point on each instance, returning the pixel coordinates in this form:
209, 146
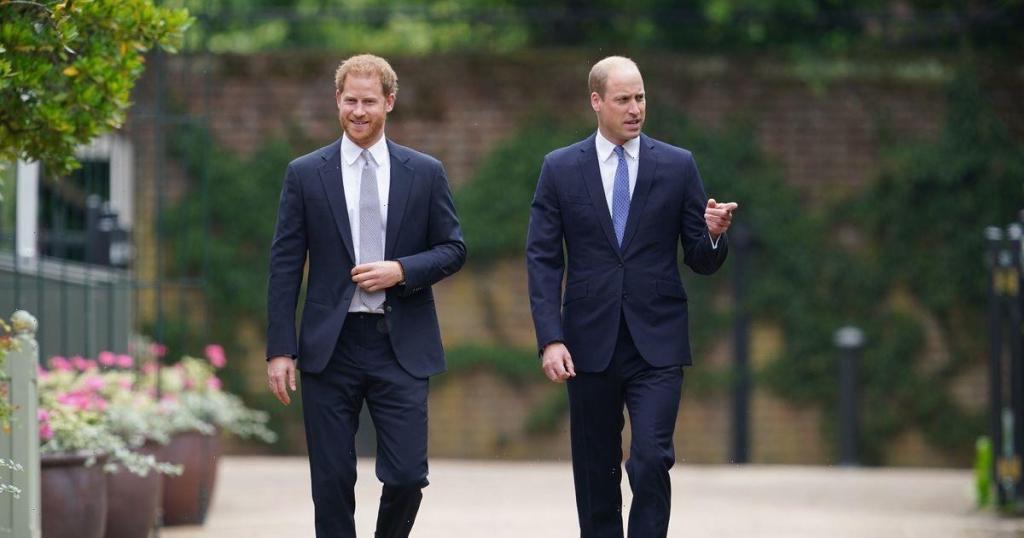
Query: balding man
619, 201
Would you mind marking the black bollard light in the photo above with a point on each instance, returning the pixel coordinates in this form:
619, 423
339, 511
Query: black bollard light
850, 341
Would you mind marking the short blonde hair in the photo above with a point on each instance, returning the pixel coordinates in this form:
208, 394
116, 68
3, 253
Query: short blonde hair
598, 79
367, 64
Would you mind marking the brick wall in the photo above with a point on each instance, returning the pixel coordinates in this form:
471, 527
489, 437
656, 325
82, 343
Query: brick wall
826, 138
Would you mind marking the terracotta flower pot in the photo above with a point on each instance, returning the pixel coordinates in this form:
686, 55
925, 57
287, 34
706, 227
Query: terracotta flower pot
187, 497
133, 500
74, 497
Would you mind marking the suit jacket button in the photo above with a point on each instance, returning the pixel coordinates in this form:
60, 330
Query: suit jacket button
620, 266
388, 308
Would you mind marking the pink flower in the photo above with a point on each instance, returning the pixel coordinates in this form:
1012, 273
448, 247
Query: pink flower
60, 364
45, 430
125, 383
125, 361
81, 364
106, 358
82, 402
149, 368
94, 383
213, 383
158, 350
215, 353
71, 399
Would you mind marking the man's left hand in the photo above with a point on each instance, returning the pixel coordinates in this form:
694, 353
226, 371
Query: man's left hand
718, 216
376, 276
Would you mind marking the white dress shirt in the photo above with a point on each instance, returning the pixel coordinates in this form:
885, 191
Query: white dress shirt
351, 176
609, 163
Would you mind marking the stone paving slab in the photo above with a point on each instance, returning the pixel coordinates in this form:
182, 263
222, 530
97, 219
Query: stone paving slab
269, 497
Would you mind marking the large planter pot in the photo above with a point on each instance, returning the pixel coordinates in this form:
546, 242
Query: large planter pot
133, 500
187, 497
74, 497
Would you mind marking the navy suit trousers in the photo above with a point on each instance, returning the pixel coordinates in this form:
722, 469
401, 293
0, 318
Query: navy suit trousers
651, 396
363, 367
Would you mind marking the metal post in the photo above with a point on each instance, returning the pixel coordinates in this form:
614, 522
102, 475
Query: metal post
741, 239
993, 241
1015, 235
850, 341
21, 518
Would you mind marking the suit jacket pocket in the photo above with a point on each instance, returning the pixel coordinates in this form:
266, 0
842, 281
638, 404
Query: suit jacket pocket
669, 289
574, 291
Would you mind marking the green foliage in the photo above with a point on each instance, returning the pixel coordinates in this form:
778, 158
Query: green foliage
67, 69
938, 196
494, 206
223, 230
515, 365
546, 417
428, 26
418, 27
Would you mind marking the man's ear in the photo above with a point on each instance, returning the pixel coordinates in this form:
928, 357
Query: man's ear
595, 101
390, 102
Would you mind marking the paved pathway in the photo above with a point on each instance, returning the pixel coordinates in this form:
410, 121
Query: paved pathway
269, 497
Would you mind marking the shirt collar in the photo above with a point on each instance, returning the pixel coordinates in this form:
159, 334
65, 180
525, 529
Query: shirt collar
605, 148
350, 152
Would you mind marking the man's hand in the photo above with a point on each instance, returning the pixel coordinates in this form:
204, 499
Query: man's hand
557, 363
376, 276
281, 376
718, 217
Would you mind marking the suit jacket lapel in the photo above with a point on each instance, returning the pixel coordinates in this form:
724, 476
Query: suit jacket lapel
592, 179
644, 179
398, 195
330, 177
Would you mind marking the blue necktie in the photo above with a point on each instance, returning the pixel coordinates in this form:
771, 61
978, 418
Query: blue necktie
620, 196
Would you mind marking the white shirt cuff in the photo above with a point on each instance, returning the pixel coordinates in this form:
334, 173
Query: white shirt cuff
714, 241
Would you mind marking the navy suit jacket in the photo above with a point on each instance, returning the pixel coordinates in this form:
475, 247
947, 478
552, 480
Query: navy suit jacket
422, 234
641, 279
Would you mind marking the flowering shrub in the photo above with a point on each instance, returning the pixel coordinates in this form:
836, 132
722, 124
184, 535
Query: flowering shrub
114, 404
194, 394
85, 410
